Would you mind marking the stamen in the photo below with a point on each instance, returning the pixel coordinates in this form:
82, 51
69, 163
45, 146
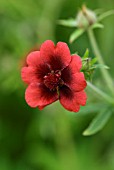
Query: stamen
53, 80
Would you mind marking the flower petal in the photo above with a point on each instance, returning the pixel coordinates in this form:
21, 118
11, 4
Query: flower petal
41, 107
28, 75
47, 50
39, 95
75, 81
58, 57
72, 76
68, 99
34, 59
78, 82
42, 70
34, 74
75, 64
74, 67
62, 51
81, 97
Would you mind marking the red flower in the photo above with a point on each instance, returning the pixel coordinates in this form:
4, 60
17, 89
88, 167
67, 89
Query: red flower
52, 74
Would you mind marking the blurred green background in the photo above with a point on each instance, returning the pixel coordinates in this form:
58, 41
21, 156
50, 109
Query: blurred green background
50, 139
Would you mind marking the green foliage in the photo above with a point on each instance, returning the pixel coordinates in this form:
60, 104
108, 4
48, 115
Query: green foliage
77, 33
68, 23
86, 54
89, 65
105, 14
95, 66
98, 122
86, 18
97, 25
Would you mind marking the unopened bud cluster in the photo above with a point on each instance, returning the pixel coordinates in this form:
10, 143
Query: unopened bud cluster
85, 17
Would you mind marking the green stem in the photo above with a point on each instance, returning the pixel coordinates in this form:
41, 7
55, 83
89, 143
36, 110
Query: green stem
101, 93
97, 53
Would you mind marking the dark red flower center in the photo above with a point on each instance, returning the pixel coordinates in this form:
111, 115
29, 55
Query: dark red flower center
53, 80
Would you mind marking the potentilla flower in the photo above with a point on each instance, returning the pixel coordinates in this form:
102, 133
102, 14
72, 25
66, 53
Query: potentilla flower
54, 74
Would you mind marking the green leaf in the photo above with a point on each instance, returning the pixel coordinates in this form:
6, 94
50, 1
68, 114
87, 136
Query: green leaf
90, 108
77, 33
98, 11
98, 122
93, 61
105, 14
86, 54
97, 25
68, 23
99, 66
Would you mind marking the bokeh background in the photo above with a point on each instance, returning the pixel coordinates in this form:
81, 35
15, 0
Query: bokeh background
50, 139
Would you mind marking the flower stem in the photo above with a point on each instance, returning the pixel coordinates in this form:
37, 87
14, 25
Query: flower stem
97, 53
101, 93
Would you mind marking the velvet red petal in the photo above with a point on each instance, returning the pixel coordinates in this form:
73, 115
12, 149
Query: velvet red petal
34, 74
41, 107
81, 97
58, 57
62, 51
42, 70
47, 50
74, 67
72, 76
78, 82
34, 59
75, 81
28, 74
75, 64
38, 95
68, 99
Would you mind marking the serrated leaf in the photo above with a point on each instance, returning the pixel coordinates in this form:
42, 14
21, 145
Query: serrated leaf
86, 54
97, 25
98, 122
77, 33
68, 23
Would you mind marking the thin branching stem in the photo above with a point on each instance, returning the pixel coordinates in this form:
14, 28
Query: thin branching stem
97, 53
101, 93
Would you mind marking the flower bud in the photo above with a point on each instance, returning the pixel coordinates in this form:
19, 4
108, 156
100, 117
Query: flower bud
85, 17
